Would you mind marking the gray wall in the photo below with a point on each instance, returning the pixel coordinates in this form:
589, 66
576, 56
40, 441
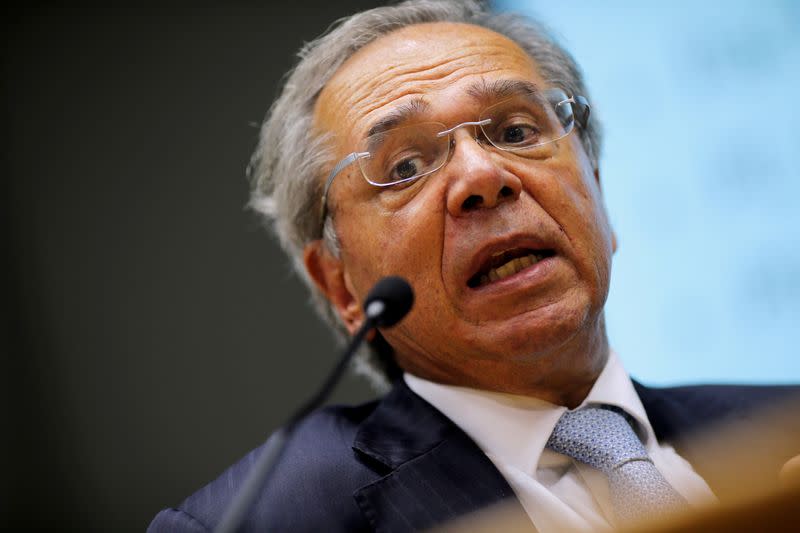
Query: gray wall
154, 332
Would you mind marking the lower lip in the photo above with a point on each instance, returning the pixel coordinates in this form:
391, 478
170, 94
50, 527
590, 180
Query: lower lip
529, 276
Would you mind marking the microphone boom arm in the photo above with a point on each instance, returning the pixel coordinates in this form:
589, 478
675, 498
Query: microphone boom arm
388, 302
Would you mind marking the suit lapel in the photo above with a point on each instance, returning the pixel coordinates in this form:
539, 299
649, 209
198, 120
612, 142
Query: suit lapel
434, 471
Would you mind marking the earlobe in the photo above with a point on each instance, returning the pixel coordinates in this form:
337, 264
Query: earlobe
329, 275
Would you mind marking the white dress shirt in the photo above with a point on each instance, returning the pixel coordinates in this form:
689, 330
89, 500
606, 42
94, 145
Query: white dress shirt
556, 491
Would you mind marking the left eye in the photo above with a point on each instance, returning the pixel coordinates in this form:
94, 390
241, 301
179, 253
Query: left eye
519, 134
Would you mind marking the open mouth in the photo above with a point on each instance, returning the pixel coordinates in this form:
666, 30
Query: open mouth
506, 264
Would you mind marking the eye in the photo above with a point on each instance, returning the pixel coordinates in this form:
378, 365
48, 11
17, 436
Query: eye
405, 153
405, 169
516, 123
520, 134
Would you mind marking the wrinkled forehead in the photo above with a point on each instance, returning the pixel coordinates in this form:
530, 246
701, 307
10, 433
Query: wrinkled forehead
437, 63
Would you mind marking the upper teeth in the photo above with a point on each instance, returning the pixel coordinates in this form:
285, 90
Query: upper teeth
509, 268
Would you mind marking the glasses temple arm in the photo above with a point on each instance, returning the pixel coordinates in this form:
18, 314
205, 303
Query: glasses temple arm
348, 160
582, 110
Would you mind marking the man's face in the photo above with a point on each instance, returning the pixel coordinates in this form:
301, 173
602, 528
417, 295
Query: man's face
482, 208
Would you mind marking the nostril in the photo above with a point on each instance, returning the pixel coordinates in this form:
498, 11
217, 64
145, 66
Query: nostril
506, 191
471, 202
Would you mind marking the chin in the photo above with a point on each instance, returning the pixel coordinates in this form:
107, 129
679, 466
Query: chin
535, 334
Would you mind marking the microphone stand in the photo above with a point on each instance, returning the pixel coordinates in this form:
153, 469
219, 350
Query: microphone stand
244, 499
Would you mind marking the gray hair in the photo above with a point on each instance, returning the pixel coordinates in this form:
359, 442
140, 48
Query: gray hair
289, 164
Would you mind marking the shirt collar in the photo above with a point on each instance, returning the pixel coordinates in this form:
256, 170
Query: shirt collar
614, 387
514, 429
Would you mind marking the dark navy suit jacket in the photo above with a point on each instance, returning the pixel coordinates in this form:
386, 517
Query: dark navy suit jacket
398, 464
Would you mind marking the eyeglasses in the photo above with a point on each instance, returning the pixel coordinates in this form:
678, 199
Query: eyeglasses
525, 125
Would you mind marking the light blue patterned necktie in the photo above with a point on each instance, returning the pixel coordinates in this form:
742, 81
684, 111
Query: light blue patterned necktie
602, 437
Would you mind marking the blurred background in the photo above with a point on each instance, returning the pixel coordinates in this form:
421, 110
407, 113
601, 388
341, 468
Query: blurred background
154, 332
700, 178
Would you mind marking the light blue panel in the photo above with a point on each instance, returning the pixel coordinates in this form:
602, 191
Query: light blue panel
699, 102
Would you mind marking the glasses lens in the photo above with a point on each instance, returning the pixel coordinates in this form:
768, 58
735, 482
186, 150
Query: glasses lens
404, 154
527, 125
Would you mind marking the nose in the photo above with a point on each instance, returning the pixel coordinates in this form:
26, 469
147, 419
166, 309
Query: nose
477, 181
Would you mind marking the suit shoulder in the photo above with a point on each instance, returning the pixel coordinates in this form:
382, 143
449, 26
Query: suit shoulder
722, 397
313, 480
685, 409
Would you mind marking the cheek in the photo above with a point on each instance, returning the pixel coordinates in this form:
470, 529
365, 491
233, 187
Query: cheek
405, 241
586, 223
416, 248
566, 188
408, 242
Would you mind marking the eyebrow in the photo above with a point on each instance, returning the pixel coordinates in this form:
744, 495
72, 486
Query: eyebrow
488, 92
482, 91
403, 113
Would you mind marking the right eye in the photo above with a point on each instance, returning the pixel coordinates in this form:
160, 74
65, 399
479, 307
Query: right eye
405, 169
405, 153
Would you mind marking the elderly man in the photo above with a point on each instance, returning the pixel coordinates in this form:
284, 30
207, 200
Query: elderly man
456, 148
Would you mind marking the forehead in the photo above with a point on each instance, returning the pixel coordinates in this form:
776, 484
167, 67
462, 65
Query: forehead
433, 61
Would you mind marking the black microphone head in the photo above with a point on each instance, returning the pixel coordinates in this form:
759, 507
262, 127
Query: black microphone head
389, 301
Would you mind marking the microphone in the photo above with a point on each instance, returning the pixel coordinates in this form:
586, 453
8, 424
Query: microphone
389, 300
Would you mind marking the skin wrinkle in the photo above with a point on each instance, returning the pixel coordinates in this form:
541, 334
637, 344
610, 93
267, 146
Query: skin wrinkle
465, 137
544, 340
447, 62
413, 108
384, 99
392, 99
435, 362
482, 91
571, 192
583, 196
561, 184
389, 78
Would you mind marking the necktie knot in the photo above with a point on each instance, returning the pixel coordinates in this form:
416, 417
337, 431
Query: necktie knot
600, 436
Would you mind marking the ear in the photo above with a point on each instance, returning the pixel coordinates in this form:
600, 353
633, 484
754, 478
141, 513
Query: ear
613, 233
613, 241
331, 278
